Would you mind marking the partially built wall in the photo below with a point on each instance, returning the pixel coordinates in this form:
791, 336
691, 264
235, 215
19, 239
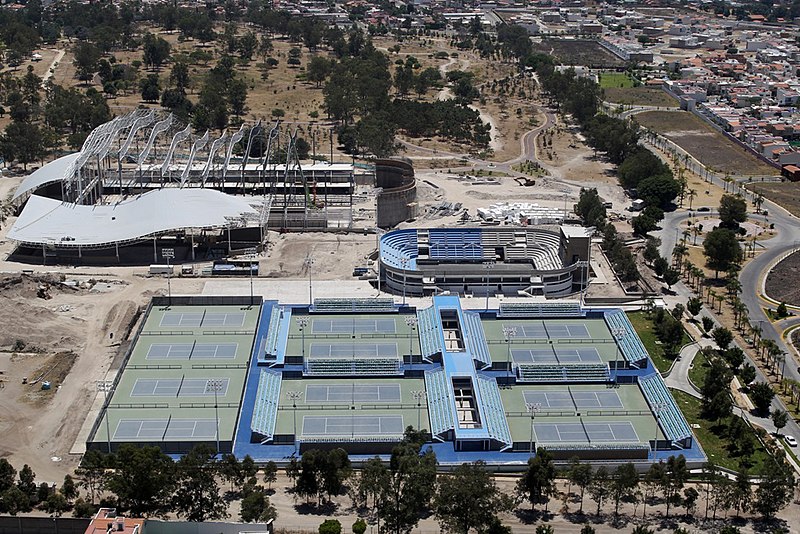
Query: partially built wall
397, 199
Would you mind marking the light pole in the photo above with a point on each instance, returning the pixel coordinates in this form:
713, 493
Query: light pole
302, 323
294, 396
411, 323
658, 407
418, 395
489, 266
533, 408
251, 252
308, 262
404, 263
105, 386
617, 332
168, 253
215, 385
508, 333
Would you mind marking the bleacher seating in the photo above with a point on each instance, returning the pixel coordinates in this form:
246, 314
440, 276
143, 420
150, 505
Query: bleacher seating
399, 244
476, 338
493, 411
353, 367
670, 418
272, 333
455, 244
428, 328
563, 308
440, 402
356, 305
266, 404
629, 343
577, 372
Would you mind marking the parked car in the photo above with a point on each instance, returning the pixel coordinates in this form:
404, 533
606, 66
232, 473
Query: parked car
790, 441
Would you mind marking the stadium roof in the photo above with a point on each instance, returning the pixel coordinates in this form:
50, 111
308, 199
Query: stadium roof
50, 173
52, 222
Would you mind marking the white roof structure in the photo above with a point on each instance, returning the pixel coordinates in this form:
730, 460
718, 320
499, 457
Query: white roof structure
52, 222
49, 173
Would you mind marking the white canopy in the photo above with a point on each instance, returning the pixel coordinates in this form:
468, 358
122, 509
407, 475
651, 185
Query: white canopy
52, 222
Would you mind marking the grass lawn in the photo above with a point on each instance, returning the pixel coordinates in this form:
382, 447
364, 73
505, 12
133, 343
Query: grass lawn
699, 369
644, 328
713, 439
615, 79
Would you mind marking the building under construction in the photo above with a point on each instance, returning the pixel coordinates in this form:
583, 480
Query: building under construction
144, 181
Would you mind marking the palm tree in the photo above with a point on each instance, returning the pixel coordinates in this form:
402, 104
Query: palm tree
758, 201
691, 194
688, 266
700, 276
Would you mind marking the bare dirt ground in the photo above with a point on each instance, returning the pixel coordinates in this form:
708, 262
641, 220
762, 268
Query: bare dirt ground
781, 283
709, 146
639, 96
334, 255
579, 52
64, 339
564, 152
782, 193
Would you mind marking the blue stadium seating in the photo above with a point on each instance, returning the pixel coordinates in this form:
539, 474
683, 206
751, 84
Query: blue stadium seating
670, 419
353, 367
541, 309
399, 244
455, 244
476, 339
493, 411
272, 333
577, 372
629, 343
355, 305
266, 404
440, 402
428, 328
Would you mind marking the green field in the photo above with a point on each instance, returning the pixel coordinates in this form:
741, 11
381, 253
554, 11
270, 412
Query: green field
699, 370
644, 328
615, 79
713, 437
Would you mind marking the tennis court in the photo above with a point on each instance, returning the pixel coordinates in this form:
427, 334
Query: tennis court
354, 326
186, 351
158, 429
556, 355
531, 330
207, 319
566, 330
353, 392
353, 350
353, 425
571, 399
585, 432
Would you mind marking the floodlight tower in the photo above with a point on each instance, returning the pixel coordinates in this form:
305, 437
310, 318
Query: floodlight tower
215, 385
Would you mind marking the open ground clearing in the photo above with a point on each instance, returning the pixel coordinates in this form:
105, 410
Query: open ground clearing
782, 193
639, 96
781, 282
619, 80
579, 52
709, 146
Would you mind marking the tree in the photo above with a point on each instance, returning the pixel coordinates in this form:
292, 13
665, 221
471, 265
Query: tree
580, 474
199, 498
237, 97
660, 266
156, 51
643, 224
86, 56
747, 374
468, 498
708, 323
231, 470
651, 252
624, 483
779, 419
7, 475
721, 249
68, 488
56, 504
409, 487
775, 490
537, 482
587, 529
270, 473
671, 277
690, 496
600, 488
143, 480
722, 337
91, 473
782, 311
694, 305
27, 481
653, 480
761, 394
14, 501
330, 526
359, 526
256, 508
150, 88
673, 483
732, 211
544, 529
25, 141
590, 208
318, 69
